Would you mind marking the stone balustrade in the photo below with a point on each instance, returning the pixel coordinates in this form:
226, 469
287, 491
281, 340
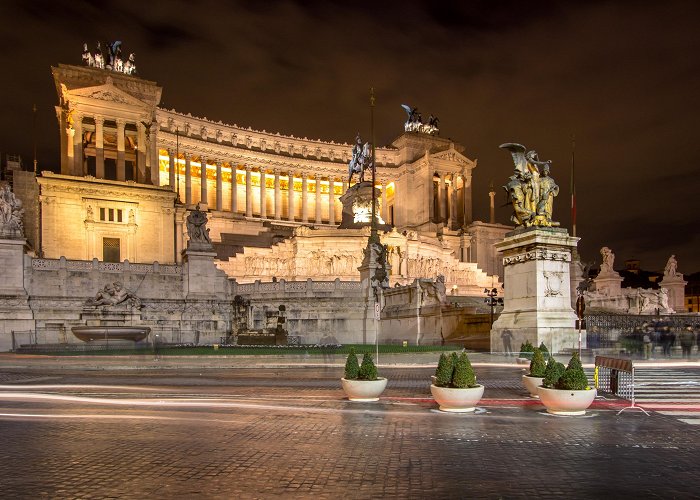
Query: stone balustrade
283, 286
109, 267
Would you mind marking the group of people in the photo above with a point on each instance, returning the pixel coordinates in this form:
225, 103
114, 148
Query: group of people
649, 335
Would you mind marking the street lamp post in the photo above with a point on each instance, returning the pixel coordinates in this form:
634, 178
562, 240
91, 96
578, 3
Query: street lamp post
492, 300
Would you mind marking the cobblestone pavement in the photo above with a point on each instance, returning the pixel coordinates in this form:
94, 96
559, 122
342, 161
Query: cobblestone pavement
262, 433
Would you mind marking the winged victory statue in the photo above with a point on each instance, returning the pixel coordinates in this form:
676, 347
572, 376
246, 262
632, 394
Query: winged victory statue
530, 189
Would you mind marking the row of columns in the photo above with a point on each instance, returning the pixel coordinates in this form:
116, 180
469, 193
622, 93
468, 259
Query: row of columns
291, 207
447, 201
144, 158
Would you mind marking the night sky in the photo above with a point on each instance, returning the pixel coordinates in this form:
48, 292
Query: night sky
623, 77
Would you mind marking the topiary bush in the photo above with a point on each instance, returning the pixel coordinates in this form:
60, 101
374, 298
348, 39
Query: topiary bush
368, 371
545, 351
537, 365
463, 375
443, 372
352, 367
527, 350
573, 378
552, 373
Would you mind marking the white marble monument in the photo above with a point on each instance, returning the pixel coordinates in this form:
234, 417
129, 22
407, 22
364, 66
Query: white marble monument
674, 284
537, 301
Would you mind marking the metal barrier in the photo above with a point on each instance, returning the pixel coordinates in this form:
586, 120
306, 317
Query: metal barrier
616, 376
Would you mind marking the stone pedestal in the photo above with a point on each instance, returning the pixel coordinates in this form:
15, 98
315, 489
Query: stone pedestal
357, 207
204, 280
675, 286
537, 300
372, 284
608, 284
15, 313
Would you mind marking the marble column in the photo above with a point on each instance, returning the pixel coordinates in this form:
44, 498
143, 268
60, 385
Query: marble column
140, 153
290, 196
304, 195
219, 188
188, 180
263, 192
442, 196
121, 154
450, 203
384, 213
78, 146
234, 188
99, 147
331, 201
70, 148
467, 199
317, 219
203, 180
248, 193
155, 154
171, 169
278, 196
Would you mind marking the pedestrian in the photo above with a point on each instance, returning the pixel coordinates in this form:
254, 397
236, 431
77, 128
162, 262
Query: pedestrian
506, 337
646, 340
687, 339
667, 339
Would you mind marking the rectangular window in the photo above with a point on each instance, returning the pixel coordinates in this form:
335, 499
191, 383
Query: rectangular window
102, 213
119, 215
111, 250
111, 215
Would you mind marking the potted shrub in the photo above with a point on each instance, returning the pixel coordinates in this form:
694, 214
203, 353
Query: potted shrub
361, 382
566, 391
545, 351
525, 354
455, 388
537, 368
443, 372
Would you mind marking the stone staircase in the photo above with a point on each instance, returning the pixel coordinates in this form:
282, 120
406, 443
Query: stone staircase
232, 244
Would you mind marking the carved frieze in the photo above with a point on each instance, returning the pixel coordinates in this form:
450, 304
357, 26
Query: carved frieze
537, 254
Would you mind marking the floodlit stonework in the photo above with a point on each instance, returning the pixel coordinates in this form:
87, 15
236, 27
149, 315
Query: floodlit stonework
132, 172
537, 289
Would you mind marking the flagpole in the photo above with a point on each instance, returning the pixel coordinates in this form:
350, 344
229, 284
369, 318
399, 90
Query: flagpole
573, 185
374, 237
34, 134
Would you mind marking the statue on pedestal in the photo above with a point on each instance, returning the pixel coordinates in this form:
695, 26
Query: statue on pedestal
530, 191
606, 267
671, 269
361, 159
197, 228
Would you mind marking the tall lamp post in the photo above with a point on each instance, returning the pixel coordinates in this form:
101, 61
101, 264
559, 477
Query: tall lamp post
492, 300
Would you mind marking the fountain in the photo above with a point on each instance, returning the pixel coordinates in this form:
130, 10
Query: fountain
110, 318
116, 334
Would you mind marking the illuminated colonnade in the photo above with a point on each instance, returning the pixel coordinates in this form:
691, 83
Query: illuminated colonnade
306, 198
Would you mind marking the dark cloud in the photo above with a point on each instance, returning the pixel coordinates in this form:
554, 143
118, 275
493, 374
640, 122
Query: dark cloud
621, 76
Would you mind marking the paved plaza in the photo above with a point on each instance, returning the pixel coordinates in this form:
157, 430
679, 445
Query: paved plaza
289, 432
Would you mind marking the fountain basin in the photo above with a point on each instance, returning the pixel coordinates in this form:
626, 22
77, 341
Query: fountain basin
102, 334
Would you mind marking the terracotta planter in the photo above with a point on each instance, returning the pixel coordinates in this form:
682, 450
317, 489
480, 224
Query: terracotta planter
561, 402
364, 390
457, 400
531, 384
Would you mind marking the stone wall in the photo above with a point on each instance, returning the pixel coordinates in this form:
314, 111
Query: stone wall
313, 309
